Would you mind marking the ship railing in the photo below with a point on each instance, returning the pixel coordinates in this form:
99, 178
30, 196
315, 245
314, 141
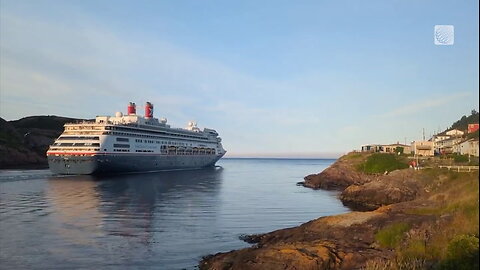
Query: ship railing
80, 122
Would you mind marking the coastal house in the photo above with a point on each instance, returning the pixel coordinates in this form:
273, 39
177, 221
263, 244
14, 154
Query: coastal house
468, 147
447, 146
392, 148
372, 148
422, 148
437, 138
472, 128
455, 133
386, 148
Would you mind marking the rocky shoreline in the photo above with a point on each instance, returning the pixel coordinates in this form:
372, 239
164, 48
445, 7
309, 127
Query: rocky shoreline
346, 241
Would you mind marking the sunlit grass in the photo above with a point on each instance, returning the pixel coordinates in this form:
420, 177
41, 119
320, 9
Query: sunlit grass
455, 198
380, 163
391, 235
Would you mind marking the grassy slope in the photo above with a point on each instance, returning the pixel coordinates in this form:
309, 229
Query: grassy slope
449, 243
453, 199
379, 163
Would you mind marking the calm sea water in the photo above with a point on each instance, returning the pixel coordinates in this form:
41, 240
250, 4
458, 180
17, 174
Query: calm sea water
166, 220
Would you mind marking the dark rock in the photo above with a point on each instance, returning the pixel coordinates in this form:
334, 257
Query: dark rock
338, 176
398, 186
250, 238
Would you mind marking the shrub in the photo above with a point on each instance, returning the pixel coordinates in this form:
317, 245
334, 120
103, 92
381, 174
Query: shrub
391, 235
462, 253
473, 135
460, 158
379, 163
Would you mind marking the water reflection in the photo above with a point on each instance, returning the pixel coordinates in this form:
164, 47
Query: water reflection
165, 220
75, 204
134, 210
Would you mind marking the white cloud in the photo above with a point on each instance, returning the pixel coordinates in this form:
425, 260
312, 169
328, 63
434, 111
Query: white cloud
428, 102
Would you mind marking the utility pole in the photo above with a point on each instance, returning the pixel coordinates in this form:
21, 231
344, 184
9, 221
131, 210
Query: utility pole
424, 134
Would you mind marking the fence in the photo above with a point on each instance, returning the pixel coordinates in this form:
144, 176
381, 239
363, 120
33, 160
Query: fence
460, 168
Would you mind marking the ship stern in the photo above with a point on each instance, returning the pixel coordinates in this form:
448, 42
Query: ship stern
73, 164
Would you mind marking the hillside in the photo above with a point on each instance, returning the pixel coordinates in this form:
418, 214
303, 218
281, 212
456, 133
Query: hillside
462, 123
24, 142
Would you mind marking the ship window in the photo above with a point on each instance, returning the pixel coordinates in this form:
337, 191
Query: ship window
121, 145
122, 139
92, 144
78, 138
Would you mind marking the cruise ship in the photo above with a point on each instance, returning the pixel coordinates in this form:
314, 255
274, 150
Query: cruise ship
132, 143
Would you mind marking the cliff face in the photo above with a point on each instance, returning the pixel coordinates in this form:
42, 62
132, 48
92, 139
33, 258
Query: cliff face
398, 186
24, 142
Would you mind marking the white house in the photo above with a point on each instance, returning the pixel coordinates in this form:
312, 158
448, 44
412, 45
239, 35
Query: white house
437, 138
454, 132
372, 148
469, 147
446, 146
386, 148
392, 148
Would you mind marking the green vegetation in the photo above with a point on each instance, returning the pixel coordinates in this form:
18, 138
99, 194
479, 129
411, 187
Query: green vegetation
9, 139
462, 253
391, 235
8, 135
460, 158
462, 124
473, 135
354, 155
452, 243
379, 163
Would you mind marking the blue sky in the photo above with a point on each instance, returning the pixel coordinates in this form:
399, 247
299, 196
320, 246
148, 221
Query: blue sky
275, 78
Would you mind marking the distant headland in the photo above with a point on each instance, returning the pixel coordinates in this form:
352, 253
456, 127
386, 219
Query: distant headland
24, 142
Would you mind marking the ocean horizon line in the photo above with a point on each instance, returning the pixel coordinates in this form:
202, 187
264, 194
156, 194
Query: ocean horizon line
286, 158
